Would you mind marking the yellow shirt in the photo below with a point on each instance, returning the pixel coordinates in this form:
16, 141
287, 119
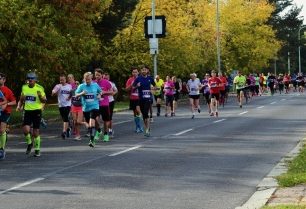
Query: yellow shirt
158, 85
32, 101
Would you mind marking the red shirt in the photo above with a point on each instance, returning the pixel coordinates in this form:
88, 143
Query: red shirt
9, 96
133, 92
223, 83
214, 83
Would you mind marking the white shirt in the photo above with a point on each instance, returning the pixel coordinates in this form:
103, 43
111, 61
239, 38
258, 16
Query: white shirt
63, 93
194, 88
114, 88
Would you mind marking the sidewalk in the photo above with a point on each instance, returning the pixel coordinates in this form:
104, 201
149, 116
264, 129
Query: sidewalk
289, 196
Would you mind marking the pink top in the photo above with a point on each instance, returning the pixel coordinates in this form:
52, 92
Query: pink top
169, 88
105, 86
73, 85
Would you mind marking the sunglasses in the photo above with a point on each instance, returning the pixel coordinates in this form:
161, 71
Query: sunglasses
31, 78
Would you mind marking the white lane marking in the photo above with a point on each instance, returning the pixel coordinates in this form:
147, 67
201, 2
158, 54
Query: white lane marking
218, 121
260, 107
273, 103
121, 122
124, 151
182, 132
242, 113
18, 186
283, 99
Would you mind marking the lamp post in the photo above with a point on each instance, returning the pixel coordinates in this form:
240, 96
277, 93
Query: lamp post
218, 37
154, 37
288, 56
299, 37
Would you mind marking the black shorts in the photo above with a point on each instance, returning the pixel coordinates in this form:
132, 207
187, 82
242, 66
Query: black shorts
64, 111
216, 96
169, 100
93, 114
144, 108
111, 109
32, 117
176, 96
194, 96
238, 91
222, 92
157, 97
207, 97
134, 104
5, 117
105, 113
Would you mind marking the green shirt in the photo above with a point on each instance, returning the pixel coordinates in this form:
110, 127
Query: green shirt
158, 86
240, 82
32, 101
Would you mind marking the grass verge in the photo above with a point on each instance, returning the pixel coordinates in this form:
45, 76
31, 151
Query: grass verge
296, 171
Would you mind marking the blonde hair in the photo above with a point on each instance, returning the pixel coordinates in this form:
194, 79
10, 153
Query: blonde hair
87, 74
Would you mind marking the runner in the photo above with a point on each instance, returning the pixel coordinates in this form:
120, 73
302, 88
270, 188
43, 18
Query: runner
77, 113
143, 84
177, 92
240, 83
104, 105
169, 89
32, 99
214, 84
280, 81
158, 93
63, 92
111, 104
194, 85
300, 82
257, 84
7, 100
90, 93
222, 90
206, 91
271, 83
134, 99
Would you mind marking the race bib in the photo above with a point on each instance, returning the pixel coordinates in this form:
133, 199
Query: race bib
30, 99
65, 92
89, 97
146, 94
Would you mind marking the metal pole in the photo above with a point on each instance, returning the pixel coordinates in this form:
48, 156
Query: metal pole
154, 36
299, 37
275, 66
288, 56
218, 37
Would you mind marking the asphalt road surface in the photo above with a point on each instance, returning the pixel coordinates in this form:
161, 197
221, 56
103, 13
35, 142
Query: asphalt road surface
201, 163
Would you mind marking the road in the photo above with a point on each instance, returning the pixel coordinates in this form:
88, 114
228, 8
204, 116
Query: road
205, 163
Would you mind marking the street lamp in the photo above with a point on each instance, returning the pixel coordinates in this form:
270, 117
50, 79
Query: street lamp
154, 38
299, 35
218, 38
288, 56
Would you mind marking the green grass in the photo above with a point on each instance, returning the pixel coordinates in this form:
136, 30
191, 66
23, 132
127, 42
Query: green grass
51, 112
296, 171
286, 207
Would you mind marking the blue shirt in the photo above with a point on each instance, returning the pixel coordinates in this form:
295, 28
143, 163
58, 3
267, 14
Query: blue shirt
89, 100
144, 90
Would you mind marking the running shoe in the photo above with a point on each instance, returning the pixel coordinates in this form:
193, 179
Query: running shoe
43, 123
139, 130
151, 120
29, 148
212, 114
166, 115
216, 114
158, 114
37, 153
77, 138
97, 136
111, 133
172, 114
2, 154
240, 106
91, 144
147, 133
192, 117
199, 110
63, 135
106, 138
68, 132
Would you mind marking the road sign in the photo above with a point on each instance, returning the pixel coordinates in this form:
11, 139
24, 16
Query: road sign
153, 45
160, 26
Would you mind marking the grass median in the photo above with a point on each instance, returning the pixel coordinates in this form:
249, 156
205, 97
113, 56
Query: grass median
51, 112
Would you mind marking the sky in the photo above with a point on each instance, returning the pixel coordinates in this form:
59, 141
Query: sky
302, 3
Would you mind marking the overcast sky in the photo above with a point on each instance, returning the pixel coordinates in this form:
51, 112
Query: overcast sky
302, 3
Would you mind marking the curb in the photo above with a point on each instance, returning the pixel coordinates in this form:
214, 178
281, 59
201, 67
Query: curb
266, 188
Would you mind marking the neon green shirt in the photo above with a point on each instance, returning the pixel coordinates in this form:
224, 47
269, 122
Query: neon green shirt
240, 82
32, 102
158, 86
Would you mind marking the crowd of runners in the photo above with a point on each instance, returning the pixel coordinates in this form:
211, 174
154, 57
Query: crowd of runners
90, 103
